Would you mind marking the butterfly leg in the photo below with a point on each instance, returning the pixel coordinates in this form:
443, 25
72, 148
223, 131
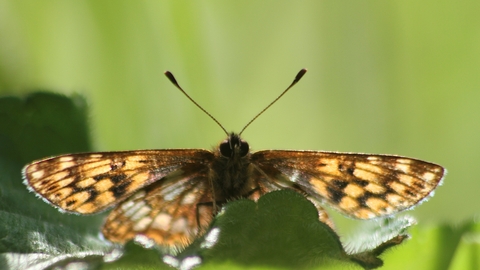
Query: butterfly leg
198, 212
322, 214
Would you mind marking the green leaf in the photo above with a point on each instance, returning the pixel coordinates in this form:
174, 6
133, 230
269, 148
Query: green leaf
280, 230
467, 254
33, 233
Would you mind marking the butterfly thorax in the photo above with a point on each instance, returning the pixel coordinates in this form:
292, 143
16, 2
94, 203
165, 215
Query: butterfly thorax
230, 170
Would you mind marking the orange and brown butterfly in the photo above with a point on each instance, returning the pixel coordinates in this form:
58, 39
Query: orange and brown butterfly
171, 196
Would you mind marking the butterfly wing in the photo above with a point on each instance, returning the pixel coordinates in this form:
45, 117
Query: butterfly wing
358, 185
172, 212
267, 178
91, 182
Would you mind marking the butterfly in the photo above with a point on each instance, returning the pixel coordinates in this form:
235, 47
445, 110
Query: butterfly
171, 196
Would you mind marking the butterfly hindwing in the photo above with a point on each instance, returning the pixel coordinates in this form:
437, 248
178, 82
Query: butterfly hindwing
268, 179
171, 212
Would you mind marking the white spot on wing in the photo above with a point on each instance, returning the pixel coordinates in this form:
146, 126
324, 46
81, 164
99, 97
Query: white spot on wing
162, 222
142, 212
129, 204
142, 224
130, 212
179, 225
38, 174
428, 176
65, 165
404, 161
403, 168
188, 199
294, 176
65, 159
173, 188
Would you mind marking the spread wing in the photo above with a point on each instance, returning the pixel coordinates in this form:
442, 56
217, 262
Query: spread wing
91, 182
172, 212
358, 185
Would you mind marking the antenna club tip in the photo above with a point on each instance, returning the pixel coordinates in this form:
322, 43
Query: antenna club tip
300, 74
170, 77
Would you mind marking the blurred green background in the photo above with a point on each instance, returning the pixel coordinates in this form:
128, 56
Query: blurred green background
396, 77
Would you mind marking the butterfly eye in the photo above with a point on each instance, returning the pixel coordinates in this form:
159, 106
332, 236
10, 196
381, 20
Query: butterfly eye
225, 149
244, 148
234, 142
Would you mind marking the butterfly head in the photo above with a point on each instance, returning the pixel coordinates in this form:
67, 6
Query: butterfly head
234, 146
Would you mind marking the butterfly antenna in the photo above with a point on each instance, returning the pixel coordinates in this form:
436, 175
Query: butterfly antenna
174, 82
295, 81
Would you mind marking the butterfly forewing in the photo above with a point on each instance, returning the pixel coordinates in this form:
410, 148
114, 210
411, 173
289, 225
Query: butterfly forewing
358, 185
170, 212
91, 182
